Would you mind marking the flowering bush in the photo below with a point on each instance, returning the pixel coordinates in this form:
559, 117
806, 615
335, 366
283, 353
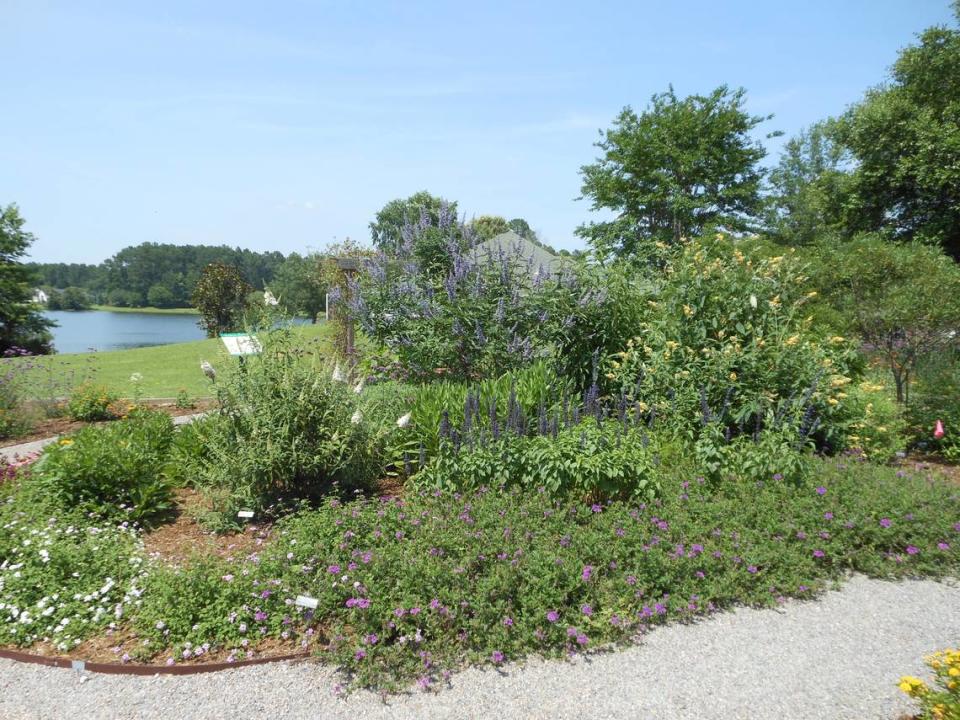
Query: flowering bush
725, 344
454, 313
942, 702
91, 402
113, 471
283, 431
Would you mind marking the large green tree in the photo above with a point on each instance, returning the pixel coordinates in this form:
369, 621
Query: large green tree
681, 165
395, 222
21, 323
905, 140
221, 297
808, 187
299, 285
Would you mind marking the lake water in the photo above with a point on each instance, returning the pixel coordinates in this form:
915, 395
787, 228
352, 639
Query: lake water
97, 330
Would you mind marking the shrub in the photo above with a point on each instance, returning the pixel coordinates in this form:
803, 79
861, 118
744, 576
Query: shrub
14, 419
936, 396
943, 701
453, 313
725, 342
90, 402
113, 471
283, 431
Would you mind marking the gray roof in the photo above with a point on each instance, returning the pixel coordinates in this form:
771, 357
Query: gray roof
510, 242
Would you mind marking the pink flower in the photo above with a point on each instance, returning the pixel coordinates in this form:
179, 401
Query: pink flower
943, 546
938, 430
553, 616
497, 657
911, 550
821, 490
818, 553
587, 572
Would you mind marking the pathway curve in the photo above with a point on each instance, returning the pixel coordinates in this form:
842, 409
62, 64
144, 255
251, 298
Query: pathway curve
838, 657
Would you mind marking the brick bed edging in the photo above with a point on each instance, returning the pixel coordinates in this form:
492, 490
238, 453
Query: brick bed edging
135, 669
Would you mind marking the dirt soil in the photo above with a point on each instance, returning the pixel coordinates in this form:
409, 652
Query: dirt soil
174, 543
50, 427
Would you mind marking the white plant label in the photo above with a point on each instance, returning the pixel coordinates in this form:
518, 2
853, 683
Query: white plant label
307, 602
245, 514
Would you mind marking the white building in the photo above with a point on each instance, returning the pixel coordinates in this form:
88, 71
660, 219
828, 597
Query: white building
40, 297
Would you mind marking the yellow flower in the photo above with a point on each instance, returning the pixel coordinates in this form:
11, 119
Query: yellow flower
833, 401
66, 441
610, 376
733, 376
812, 294
912, 686
953, 672
837, 339
687, 310
792, 340
775, 303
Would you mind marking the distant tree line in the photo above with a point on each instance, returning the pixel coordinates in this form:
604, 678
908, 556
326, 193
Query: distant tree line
151, 274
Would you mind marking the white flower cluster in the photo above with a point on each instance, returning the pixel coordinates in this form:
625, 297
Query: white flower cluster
39, 605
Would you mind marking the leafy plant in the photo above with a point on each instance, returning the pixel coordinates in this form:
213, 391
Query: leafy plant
91, 402
112, 472
284, 430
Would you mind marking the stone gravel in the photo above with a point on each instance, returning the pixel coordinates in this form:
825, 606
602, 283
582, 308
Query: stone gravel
840, 656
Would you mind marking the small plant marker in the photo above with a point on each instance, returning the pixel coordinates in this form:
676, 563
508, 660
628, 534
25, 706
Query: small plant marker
245, 514
307, 602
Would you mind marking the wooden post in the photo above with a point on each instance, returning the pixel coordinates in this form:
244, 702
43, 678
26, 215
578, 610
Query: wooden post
349, 267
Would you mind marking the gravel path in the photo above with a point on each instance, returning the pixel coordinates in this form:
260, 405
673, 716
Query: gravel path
838, 657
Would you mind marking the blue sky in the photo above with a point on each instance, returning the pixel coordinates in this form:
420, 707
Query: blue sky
285, 125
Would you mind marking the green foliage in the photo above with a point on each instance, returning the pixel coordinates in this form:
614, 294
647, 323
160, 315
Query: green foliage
299, 285
680, 166
220, 296
902, 299
936, 396
808, 187
283, 431
726, 342
112, 472
91, 402
22, 325
388, 228
62, 578
160, 296
72, 298
410, 588
596, 318
183, 400
489, 314
589, 460
488, 226
905, 140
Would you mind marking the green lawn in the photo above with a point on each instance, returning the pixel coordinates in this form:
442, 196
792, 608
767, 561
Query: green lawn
151, 310
166, 369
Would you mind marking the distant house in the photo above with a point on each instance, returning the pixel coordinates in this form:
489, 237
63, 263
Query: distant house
40, 297
540, 260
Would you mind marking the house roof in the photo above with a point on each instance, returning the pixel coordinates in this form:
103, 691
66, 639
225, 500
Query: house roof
509, 242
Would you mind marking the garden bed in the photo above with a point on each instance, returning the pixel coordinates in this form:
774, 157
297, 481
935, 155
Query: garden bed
52, 427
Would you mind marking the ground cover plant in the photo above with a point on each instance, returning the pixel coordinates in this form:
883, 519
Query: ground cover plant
412, 588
